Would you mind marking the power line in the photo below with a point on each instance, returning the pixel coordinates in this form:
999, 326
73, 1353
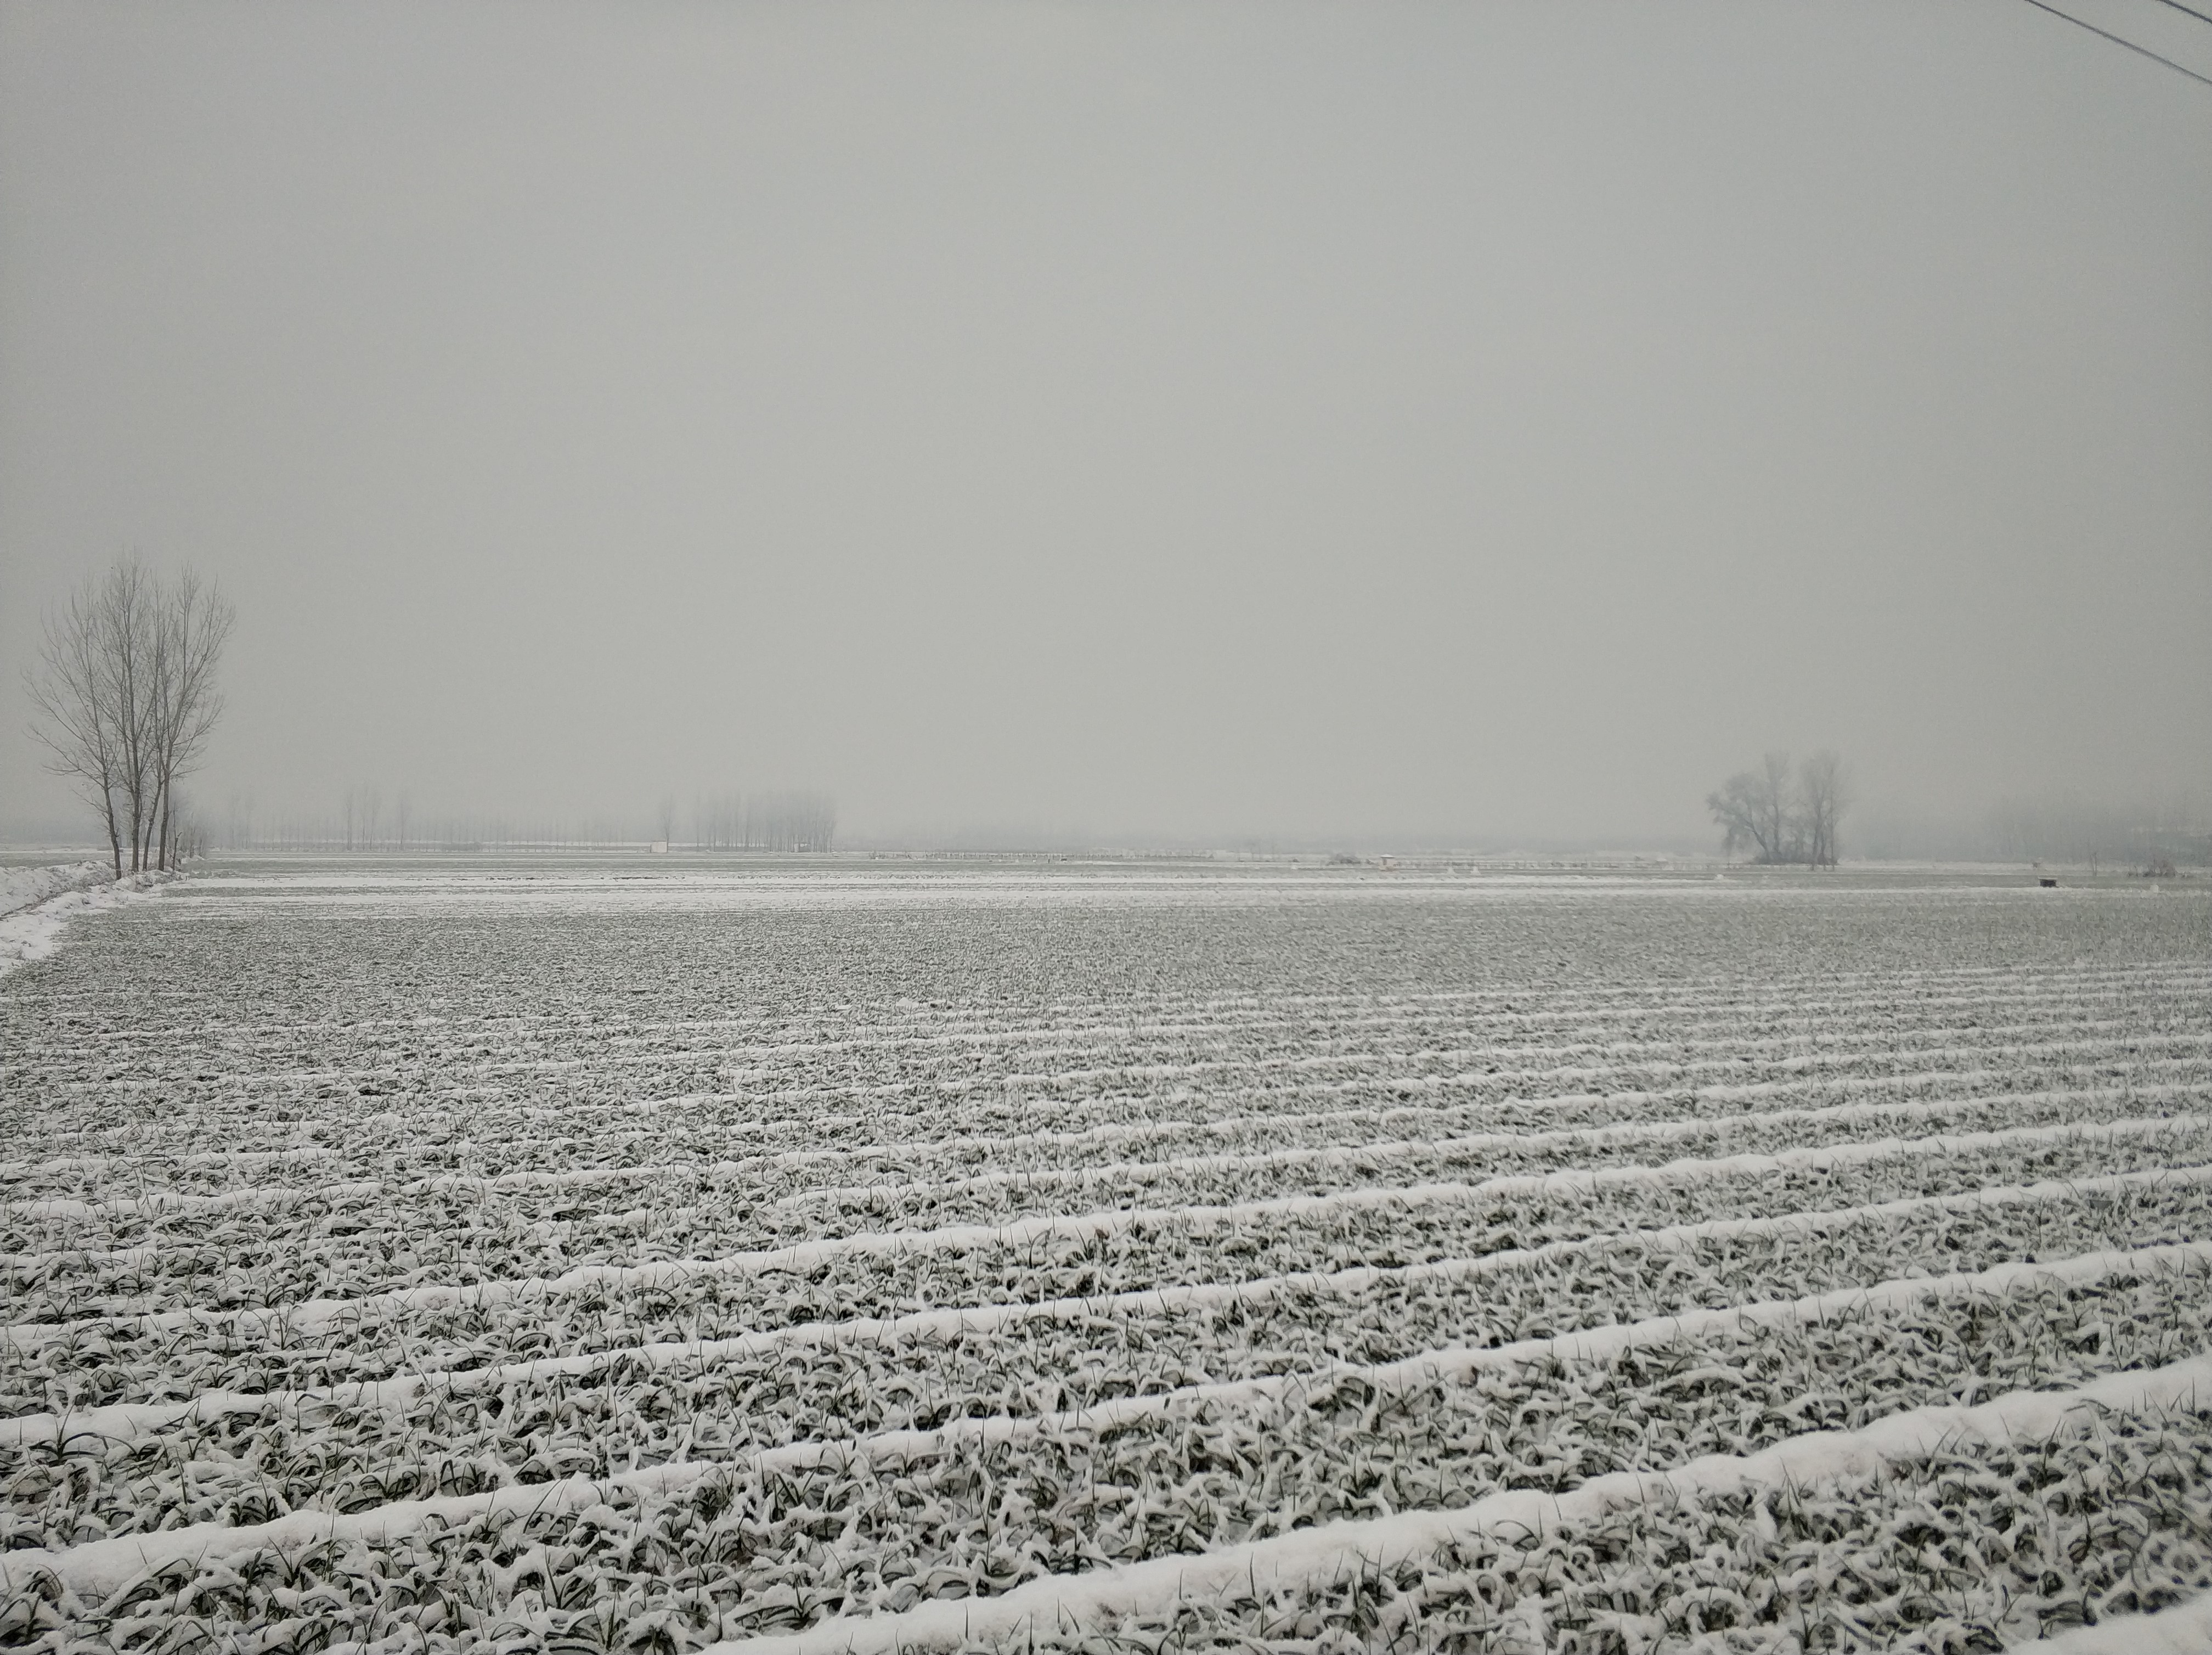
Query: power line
2141, 51
2202, 17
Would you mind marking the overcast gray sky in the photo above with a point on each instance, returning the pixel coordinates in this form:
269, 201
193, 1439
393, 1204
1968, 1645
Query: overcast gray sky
1234, 419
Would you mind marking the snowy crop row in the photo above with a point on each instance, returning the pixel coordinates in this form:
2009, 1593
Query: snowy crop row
222, 1456
1137, 1342
779, 1544
506, 1145
542, 1127
330, 1237
502, 1317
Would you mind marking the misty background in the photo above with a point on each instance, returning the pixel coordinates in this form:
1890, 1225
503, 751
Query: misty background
1050, 423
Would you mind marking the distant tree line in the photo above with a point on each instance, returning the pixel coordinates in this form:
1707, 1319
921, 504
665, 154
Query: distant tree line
2146, 834
123, 698
1783, 813
764, 821
365, 820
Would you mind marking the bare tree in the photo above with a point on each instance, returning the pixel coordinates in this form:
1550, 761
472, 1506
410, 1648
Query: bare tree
129, 638
191, 622
1753, 810
188, 835
1823, 795
73, 694
125, 698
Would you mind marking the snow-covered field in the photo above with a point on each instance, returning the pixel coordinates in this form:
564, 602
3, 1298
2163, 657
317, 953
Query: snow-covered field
635, 1254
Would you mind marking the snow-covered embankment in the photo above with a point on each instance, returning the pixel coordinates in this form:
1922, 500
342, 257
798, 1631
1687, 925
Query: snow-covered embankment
36, 902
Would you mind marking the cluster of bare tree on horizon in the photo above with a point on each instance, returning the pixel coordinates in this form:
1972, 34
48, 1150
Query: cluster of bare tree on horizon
1782, 813
123, 698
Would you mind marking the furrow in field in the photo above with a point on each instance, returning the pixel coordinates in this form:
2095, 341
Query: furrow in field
1351, 1017
1365, 1157
961, 1114
1508, 1007
902, 1140
1475, 1065
1074, 1256
1348, 1288
1719, 987
2186, 1261
1668, 1054
2085, 1039
837, 1377
1277, 1023
1313, 1437
1306, 1563
376, 1243
777, 1181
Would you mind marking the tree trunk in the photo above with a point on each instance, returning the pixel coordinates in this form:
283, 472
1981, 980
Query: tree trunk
115, 834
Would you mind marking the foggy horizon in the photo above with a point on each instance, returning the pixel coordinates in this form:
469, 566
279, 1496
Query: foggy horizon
1216, 424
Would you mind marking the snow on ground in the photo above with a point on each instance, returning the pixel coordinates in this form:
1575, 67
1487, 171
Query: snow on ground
37, 904
19, 887
527, 1255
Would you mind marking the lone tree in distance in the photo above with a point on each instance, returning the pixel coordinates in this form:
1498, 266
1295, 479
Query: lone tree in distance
125, 698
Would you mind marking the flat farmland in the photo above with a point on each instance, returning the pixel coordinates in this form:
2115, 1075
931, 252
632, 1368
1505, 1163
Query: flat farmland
659, 1255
